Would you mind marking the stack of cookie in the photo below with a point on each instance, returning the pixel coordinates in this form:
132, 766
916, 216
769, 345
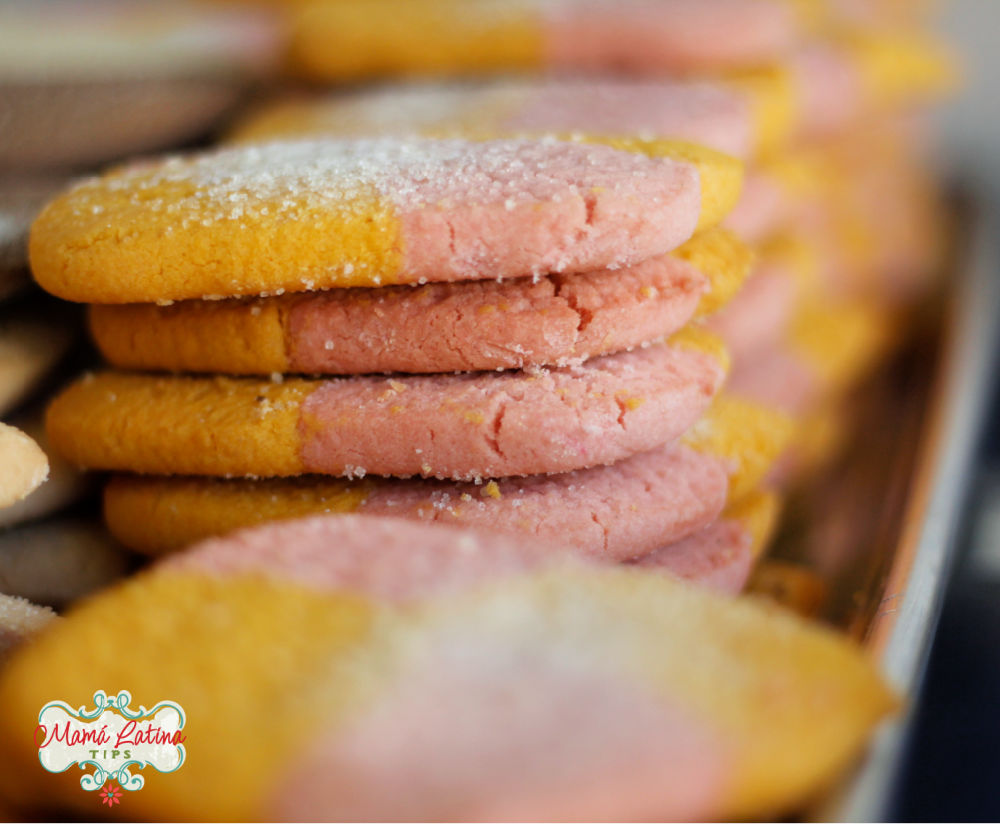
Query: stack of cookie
821, 99
543, 374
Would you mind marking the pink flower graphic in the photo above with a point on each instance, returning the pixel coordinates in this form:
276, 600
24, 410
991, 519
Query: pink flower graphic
110, 794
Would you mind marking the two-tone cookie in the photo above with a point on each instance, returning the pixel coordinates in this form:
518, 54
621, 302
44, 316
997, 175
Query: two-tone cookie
622, 511
458, 426
60, 560
463, 37
732, 117
443, 327
513, 684
303, 215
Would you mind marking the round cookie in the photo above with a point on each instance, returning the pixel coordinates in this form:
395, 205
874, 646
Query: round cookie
461, 426
703, 113
841, 81
23, 465
349, 40
621, 511
63, 486
780, 378
60, 560
720, 556
484, 325
302, 215
32, 342
764, 207
759, 317
560, 693
19, 620
390, 559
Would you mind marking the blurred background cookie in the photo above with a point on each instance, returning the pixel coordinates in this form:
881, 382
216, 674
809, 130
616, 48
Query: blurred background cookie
87, 83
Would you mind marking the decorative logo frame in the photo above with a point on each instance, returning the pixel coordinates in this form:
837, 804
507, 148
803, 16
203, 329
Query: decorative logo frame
113, 738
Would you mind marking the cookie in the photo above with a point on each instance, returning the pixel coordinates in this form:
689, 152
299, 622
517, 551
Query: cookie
843, 81
717, 115
23, 465
555, 320
759, 317
97, 81
347, 40
390, 559
778, 377
703, 113
303, 215
560, 693
19, 621
60, 560
459, 426
32, 341
764, 208
721, 556
840, 341
619, 512
63, 486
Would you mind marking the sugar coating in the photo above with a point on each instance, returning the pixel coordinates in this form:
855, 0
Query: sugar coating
304, 215
616, 512
387, 558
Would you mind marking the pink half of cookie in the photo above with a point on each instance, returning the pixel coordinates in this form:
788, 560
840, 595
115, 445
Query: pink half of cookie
493, 727
560, 319
501, 424
512, 208
829, 90
389, 558
616, 512
701, 113
763, 208
656, 36
777, 378
718, 557
758, 318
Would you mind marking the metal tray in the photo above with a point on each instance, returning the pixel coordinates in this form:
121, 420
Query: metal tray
876, 534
